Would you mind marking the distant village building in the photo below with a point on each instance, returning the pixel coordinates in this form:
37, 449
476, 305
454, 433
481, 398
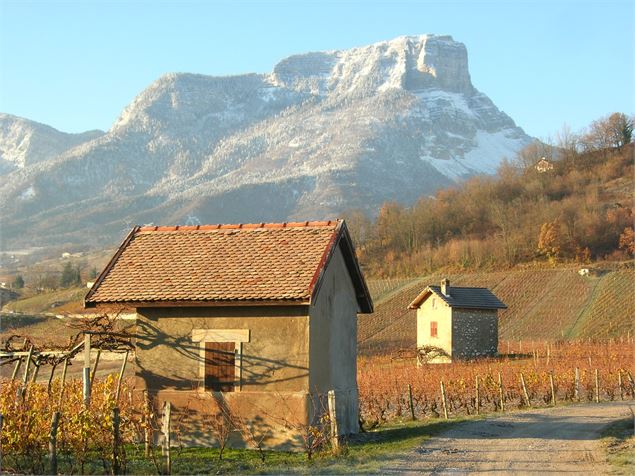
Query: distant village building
544, 165
456, 322
259, 318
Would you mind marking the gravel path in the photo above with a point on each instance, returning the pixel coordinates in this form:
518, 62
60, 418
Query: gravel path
550, 440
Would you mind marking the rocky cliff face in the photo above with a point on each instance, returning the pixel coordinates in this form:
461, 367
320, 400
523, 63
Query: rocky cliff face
322, 133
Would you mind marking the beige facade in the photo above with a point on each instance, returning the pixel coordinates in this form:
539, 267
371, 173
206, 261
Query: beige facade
435, 310
287, 359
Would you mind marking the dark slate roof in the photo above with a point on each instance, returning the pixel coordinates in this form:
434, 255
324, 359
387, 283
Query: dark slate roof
467, 298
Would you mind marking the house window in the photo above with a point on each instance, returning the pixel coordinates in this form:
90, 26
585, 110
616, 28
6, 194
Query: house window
220, 358
434, 331
220, 366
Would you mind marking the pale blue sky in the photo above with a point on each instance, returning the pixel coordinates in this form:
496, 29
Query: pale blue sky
75, 65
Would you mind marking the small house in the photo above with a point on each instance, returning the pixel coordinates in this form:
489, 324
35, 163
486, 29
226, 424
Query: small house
456, 323
258, 319
543, 165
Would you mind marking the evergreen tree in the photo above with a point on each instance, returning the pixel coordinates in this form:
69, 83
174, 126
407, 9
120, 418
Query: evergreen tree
18, 282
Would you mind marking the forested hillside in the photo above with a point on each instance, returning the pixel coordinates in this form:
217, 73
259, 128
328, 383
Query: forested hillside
576, 205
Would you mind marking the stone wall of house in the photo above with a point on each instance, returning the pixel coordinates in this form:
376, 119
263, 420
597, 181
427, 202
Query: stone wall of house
333, 343
474, 333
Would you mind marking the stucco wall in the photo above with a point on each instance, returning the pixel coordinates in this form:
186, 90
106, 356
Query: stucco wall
275, 363
333, 343
474, 333
435, 309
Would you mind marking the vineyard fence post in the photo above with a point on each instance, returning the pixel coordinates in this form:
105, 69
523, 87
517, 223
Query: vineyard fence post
62, 383
146, 423
55, 421
335, 435
478, 396
25, 378
553, 389
597, 386
501, 394
522, 382
576, 385
92, 374
167, 410
619, 382
412, 407
115, 441
16, 368
630, 379
121, 372
1, 425
443, 400
50, 382
36, 370
86, 371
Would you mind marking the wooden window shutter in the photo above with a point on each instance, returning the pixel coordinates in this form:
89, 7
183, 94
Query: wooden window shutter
220, 366
434, 331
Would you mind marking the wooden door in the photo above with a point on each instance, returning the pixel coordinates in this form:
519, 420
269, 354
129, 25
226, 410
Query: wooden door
220, 366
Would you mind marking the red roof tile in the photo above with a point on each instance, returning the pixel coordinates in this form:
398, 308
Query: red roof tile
222, 263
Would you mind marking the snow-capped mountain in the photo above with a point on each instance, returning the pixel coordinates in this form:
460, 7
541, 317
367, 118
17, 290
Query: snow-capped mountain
24, 142
322, 133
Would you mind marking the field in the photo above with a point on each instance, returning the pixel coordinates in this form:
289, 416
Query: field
387, 382
543, 304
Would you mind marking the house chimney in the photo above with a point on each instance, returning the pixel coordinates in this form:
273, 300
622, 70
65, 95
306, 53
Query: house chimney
445, 286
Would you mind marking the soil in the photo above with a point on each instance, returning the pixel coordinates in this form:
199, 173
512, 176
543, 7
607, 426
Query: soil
550, 440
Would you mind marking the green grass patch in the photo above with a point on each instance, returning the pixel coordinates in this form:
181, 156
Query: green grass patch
618, 440
363, 453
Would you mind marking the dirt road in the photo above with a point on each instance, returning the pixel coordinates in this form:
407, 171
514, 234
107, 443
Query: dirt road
551, 440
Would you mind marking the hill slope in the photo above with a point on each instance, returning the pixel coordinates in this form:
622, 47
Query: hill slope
543, 304
322, 133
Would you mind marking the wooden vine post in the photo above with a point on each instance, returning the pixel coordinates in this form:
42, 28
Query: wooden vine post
522, 383
335, 440
18, 363
94, 371
412, 407
597, 386
86, 371
119, 380
63, 380
576, 385
478, 396
553, 389
444, 401
630, 379
167, 443
146, 423
116, 441
1, 425
619, 383
501, 393
55, 421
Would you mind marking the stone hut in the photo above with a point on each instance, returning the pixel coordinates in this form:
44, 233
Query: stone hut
456, 323
259, 321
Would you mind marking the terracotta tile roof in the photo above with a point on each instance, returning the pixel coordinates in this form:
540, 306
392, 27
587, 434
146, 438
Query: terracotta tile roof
219, 263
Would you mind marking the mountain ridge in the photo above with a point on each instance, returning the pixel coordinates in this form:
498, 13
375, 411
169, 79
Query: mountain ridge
321, 133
